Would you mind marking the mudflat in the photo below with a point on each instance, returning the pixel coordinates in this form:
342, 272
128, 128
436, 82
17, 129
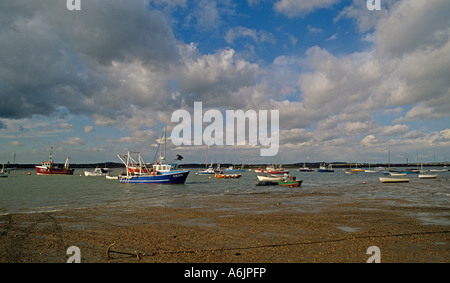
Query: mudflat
254, 228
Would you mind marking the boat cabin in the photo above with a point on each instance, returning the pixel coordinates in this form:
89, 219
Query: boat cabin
163, 167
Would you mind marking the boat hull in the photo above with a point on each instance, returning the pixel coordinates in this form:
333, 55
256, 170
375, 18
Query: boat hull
306, 170
270, 178
427, 176
228, 176
234, 170
43, 170
174, 177
92, 174
393, 180
324, 170
290, 183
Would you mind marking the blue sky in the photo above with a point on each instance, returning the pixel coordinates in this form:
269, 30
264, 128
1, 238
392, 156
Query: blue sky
350, 84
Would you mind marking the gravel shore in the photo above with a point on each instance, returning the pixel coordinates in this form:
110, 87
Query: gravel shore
230, 229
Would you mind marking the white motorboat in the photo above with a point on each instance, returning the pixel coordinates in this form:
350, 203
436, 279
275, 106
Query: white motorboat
270, 178
97, 172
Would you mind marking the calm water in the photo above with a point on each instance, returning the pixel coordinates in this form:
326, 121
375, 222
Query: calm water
23, 193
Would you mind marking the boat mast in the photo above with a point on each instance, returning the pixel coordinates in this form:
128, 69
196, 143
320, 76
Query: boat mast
165, 136
389, 160
50, 158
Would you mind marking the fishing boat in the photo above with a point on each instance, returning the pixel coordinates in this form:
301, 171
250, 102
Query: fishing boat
159, 173
278, 170
393, 180
305, 169
97, 172
290, 183
325, 169
425, 176
135, 167
49, 168
227, 176
231, 169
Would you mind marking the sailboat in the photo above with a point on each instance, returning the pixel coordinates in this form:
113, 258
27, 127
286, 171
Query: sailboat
392, 180
304, 168
3, 172
444, 169
209, 170
370, 171
426, 176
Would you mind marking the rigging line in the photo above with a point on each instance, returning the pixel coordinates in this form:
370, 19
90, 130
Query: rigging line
140, 255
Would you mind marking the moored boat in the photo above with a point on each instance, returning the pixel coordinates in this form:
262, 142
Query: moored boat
227, 176
325, 169
97, 172
49, 168
290, 183
270, 178
159, 174
232, 169
393, 180
305, 169
208, 171
396, 174
276, 170
3, 172
109, 177
438, 170
425, 176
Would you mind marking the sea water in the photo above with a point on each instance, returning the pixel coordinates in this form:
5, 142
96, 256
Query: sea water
25, 192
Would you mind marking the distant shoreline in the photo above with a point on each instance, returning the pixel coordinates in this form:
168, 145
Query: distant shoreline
246, 166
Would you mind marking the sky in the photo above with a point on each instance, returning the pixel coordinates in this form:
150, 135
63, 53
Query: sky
350, 84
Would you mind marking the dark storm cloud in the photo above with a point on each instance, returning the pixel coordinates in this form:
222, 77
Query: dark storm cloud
52, 57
